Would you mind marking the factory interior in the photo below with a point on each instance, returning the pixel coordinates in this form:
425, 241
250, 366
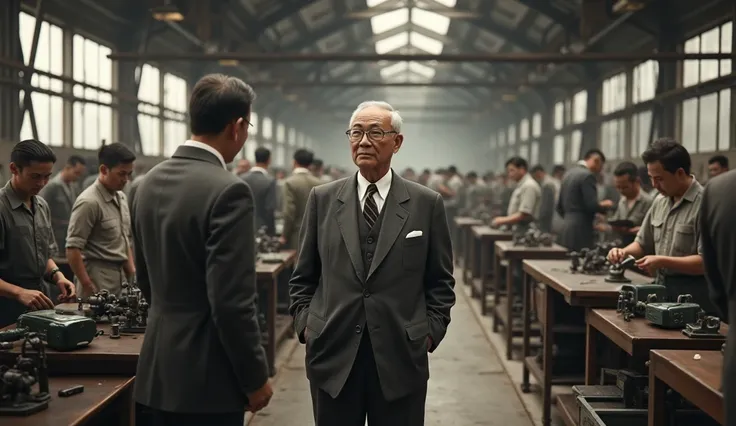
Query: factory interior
485, 88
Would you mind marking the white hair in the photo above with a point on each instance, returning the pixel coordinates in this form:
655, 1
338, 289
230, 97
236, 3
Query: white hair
396, 120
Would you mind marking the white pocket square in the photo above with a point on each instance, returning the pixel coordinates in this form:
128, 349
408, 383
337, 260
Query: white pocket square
413, 234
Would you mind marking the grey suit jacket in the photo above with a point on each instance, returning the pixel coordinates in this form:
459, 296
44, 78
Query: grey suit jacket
265, 196
405, 298
295, 193
195, 263
578, 204
60, 199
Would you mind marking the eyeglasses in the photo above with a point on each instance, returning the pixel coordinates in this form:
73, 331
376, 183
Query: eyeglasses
375, 135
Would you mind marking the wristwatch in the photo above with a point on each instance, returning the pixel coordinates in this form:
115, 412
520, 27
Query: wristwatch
50, 275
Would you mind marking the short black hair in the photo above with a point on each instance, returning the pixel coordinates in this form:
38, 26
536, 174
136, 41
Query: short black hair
115, 154
426, 172
318, 163
452, 169
722, 160
216, 101
73, 160
262, 154
303, 157
537, 168
592, 152
669, 153
559, 168
517, 161
471, 175
30, 150
627, 168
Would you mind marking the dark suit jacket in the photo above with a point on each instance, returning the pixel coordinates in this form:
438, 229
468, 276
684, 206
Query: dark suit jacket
406, 296
296, 191
264, 192
195, 263
578, 204
718, 237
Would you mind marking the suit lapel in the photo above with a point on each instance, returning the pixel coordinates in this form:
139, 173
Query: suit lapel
347, 221
394, 218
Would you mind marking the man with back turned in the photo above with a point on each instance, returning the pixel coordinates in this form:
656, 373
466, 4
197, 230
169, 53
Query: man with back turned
372, 289
202, 361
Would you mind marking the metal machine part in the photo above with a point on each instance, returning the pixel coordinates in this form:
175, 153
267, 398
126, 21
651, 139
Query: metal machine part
705, 326
60, 332
616, 271
17, 396
129, 311
268, 248
633, 299
533, 238
673, 314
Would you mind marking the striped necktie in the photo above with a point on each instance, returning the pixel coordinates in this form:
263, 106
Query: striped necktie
370, 210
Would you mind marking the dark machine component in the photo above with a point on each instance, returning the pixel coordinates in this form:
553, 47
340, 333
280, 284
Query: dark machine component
533, 238
616, 272
634, 388
115, 330
61, 332
268, 247
17, 397
134, 316
723, 349
673, 314
103, 305
633, 299
592, 261
705, 326
74, 390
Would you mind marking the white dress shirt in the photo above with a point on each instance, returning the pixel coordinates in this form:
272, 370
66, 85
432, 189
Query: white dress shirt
383, 185
259, 170
207, 148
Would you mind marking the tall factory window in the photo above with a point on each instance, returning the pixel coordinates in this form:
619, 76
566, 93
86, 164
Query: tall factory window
614, 94
612, 137
559, 115
524, 130
176, 130
524, 151
253, 124
512, 135
640, 127
280, 133
536, 125
559, 149
250, 150
501, 138
300, 139
292, 136
278, 159
576, 140
644, 83
580, 107
715, 40
705, 122
267, 130
533, 153
149, 123
92, 121
48, 109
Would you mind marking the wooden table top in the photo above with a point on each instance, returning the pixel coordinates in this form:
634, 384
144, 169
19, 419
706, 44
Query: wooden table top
577, 288
492, 234
507, 249
699, 381
467, 221
638, 336
270, 270
74, 410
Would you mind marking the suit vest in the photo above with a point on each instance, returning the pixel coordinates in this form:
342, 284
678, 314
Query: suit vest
368, 238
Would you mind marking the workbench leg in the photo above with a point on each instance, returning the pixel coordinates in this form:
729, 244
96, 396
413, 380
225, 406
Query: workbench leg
470, 262
657, 391
484, 277
496, 290
527, 323
591, 352
271, 324
547, 362
510, 308
461, 247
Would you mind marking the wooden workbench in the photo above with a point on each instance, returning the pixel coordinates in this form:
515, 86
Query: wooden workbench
279, 326
106, 401
462, 231
103, 356
503, 310
698, 381
484, 239
558, 283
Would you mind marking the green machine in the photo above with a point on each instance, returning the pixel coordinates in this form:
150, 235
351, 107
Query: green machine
633, 298
673, 315
61, 332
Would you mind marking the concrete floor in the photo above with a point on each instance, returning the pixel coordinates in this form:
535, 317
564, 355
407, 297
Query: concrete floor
468, 384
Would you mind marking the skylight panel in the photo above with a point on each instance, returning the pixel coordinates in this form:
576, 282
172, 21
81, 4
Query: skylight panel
393, 70
373, 3
421, 69
392, 43
448, 3
389, 20
422, 42
430, 20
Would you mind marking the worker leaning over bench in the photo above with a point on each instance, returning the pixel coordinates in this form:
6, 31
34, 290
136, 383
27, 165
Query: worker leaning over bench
98, 241
668, 242
26, 238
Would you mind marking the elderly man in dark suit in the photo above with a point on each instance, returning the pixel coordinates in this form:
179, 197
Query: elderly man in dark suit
578, 202
202, 361
718, 227
372, 289
264, 190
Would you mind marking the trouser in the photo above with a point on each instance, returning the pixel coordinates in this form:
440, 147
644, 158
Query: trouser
362, 397
147, 416
694, 285
105, 275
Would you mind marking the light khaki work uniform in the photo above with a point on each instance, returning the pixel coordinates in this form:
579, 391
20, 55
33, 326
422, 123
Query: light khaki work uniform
636, 212
100, 227
672, 229
526, 198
